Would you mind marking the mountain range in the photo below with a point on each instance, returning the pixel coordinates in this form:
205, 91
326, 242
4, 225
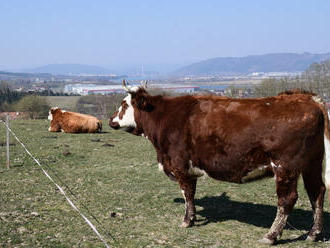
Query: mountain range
276, 62
70, 69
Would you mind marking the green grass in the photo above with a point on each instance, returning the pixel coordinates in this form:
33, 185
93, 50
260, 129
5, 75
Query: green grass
124, 179
63, 102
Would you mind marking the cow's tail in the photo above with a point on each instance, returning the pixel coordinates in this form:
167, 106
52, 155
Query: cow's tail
326, 143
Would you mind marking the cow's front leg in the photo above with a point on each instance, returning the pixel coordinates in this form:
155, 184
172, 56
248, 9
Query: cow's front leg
54, 127
188, 188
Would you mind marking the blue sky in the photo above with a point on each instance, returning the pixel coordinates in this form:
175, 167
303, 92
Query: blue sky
160, 34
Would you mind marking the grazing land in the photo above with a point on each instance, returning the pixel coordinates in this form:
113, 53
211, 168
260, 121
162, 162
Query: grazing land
115, 175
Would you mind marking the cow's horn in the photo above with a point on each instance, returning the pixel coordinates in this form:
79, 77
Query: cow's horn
144, 84
125, 86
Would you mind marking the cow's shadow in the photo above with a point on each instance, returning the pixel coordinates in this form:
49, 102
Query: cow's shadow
221, 208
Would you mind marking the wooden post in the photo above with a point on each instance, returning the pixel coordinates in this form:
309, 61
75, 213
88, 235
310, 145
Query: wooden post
7, 122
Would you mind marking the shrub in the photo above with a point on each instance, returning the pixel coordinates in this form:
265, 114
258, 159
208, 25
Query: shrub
8, 96
99, 105
36, 106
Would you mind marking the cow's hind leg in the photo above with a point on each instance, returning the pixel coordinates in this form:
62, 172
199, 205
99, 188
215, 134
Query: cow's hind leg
315, 189
286, 188
188, 188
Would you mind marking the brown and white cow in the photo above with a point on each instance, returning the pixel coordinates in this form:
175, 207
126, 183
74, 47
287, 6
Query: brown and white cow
72, 122
236, 140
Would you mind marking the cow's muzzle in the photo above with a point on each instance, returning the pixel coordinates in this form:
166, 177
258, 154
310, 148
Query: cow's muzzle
114, 125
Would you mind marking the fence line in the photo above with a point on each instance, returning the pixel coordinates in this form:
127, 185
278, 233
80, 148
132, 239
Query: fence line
7, 143
59, 187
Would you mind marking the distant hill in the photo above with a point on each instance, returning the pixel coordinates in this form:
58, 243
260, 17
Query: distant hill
276, 62
65, 69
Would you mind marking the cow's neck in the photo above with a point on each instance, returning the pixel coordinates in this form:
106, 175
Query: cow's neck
149, 121
166, 111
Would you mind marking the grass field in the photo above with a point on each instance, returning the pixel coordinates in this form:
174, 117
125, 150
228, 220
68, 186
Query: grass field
115, 175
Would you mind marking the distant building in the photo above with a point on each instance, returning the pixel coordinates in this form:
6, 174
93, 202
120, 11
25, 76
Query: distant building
89, 89
178, 88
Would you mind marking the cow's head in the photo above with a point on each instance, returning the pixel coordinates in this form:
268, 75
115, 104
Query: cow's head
53, 111
128, 114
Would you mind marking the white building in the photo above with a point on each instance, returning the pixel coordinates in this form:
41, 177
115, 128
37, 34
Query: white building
88, 89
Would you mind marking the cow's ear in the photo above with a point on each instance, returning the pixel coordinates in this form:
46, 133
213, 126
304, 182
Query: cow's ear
143, 103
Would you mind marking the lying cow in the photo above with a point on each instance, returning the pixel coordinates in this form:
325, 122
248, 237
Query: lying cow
71, 122
236, 140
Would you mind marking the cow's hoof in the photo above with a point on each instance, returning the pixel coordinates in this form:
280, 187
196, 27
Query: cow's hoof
186, 224
266, 241
313, 238
314, 235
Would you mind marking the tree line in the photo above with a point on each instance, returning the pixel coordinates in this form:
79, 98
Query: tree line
34, 105
8, 96
315, 79
30, 102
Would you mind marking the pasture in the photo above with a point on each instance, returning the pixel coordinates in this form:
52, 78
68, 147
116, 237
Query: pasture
115, 175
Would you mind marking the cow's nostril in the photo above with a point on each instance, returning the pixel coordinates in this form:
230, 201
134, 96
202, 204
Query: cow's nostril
114, 125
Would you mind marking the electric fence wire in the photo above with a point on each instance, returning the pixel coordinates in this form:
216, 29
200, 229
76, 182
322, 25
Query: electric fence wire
63, 192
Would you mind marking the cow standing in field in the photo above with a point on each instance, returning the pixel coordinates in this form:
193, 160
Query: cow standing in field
71, 122
236, 140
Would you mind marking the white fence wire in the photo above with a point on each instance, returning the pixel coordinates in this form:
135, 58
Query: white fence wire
59, 187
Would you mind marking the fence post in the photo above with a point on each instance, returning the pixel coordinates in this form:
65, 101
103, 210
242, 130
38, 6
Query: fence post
7, 122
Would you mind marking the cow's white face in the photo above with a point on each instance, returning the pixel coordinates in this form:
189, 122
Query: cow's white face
125, 114
50, 116
51, 111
